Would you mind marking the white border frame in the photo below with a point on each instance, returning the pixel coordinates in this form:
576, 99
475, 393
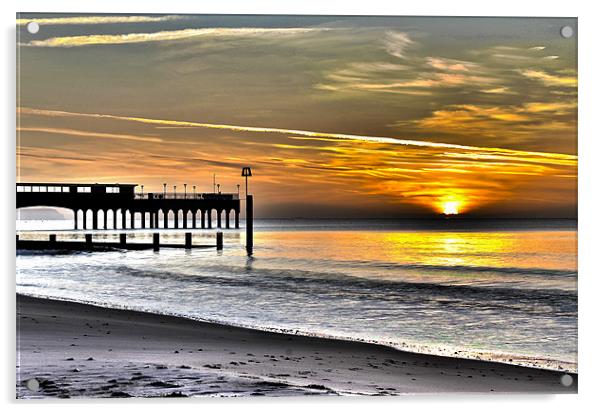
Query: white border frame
590, 196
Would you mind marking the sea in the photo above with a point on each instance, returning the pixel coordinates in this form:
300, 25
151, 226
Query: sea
503, 290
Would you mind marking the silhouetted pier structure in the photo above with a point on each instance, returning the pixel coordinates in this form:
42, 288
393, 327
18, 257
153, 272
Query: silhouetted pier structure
151, 210
91, 244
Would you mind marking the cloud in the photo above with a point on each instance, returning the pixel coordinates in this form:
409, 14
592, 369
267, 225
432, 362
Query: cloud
396, 43
452, 65
98, 20
83, 133
500, 122
494, 113
498, 90
129, 38
550, 79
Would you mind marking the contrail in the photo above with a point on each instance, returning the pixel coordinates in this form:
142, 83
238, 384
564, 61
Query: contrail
341, 136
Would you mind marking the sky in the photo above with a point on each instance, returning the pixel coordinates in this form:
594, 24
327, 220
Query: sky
337, 116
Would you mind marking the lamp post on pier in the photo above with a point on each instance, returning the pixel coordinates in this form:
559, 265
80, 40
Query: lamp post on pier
164, 190
185, 184
194, 191
246, 172
174, 191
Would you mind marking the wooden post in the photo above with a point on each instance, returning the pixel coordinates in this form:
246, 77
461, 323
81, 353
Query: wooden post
188, 241
220, 240
122, 239
52, 238
155, 241
249, 224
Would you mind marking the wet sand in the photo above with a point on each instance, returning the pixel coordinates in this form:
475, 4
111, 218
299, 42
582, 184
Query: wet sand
76, 350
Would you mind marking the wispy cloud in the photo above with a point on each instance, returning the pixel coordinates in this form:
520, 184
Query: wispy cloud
396, 43
129, 38
98, 20
500, 122
371, 139
84, 133
550, 79
444, 64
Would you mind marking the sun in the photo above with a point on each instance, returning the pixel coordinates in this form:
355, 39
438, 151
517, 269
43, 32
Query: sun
450, 208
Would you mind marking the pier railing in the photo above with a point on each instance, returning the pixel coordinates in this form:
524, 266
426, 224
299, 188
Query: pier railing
187, 196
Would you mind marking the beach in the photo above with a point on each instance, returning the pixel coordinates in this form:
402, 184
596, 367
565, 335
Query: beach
78, 350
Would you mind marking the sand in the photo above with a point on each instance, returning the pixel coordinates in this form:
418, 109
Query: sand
75, 350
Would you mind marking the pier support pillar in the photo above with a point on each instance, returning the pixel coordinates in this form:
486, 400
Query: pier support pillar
219, 240
104, 220
156, 219
155, 241
52, 238
95, 219
203, 213
209, 213
237, 219
185, 219
132, 220
122, 239
249, 225
143, 221
194, 220
219, 218
175, 220
75, 219
114, 219
188, 240
88, 239
227, 219
122, 219
165, 221
85, 222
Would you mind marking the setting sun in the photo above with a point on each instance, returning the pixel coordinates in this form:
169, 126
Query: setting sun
450, 208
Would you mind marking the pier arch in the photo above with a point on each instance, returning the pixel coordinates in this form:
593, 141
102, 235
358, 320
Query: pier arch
47, 217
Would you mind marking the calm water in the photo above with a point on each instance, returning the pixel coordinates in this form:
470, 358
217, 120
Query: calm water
502, 290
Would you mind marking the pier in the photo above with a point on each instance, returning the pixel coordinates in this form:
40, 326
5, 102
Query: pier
91, 244
117, 206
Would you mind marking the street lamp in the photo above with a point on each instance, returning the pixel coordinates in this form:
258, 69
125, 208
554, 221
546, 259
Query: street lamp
142, 190
218, 185
164, 190
238, 190
185, 184
174, 191
246, 172
194, 191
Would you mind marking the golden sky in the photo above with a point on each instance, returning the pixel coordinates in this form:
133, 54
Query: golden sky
337, 116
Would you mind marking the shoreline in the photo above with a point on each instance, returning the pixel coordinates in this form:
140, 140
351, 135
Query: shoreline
498, 358
79, 349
